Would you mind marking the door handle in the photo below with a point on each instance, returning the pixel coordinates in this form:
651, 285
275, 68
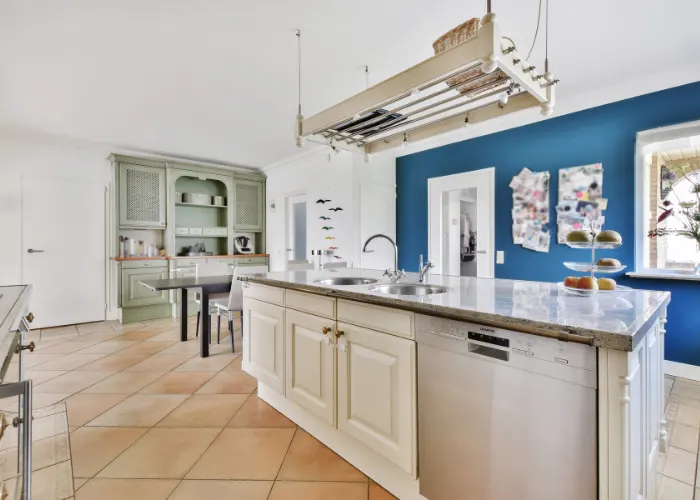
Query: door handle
290, 249
32, 250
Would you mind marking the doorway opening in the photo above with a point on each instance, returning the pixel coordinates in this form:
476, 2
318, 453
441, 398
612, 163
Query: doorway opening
461, 223
296, 228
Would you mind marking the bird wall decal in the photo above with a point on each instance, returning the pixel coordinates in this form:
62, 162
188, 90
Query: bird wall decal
323, 217
337, 257
327, 228
330, 237
336, 209
322, 201
332, 248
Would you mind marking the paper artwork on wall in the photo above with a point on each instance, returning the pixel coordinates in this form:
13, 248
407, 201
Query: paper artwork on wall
531, 210
580, 196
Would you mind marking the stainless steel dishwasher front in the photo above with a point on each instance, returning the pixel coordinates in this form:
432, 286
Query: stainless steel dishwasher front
504, 415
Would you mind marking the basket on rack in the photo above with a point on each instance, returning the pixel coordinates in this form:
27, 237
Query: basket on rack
462, 33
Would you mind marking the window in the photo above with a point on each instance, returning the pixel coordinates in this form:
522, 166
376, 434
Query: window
668, 201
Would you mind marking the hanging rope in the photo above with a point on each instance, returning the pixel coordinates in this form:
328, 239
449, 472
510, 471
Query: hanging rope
537, 29
366, 76
299, 67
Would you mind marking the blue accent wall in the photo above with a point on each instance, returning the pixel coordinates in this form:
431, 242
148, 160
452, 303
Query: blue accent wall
606, 135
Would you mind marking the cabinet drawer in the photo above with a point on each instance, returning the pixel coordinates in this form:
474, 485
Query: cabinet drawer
209, 231
189, 262
221, 231
265, 293
134, 294
141, 264
182, 231
195, 231
383, 319
308, 302
251, 260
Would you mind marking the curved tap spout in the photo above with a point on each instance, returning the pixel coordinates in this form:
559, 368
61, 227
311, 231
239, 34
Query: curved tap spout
395, 274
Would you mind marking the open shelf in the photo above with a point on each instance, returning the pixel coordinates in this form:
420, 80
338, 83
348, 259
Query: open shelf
200, 236
183, 204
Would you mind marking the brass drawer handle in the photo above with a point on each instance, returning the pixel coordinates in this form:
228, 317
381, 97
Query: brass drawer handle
31, 346
30, 317
339, 333
4, 424
325, 330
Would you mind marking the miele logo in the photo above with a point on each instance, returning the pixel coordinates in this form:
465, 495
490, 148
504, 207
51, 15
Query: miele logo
483, 329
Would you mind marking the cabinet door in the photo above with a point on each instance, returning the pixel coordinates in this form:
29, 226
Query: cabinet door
141, 196
310, 363
134, 294
248, 205
263, 342
376, 392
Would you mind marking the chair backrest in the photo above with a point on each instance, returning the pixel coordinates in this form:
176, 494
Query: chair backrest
301, 266
235, 298
333, 265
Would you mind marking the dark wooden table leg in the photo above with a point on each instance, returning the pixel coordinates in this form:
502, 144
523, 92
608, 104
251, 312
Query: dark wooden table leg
206, 323
183, 315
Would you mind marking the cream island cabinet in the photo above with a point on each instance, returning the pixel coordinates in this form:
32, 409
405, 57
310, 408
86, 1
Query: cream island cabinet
342, 362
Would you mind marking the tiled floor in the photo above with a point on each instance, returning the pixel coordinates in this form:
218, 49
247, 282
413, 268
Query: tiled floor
150, 419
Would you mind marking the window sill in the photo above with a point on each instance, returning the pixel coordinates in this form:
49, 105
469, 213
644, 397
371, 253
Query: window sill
683, 276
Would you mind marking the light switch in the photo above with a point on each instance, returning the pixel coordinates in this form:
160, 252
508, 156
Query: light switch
500, 256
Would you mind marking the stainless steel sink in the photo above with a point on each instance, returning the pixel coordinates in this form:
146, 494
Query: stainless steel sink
408, 289
346, 281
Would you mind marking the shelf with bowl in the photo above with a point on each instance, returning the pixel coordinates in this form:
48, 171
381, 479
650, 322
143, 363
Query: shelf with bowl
183, 204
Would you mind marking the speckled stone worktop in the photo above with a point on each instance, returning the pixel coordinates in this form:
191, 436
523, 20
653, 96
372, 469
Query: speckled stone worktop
612, 320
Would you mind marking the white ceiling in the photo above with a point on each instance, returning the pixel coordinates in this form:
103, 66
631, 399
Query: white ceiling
216, 79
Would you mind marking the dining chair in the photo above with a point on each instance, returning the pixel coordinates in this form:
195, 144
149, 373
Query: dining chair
303, 265
202, 270
234, 302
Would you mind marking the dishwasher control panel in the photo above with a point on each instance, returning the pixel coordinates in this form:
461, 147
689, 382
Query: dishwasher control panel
496, 341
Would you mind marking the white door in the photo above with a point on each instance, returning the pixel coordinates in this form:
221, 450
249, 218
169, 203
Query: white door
310, 363
444, 221
263, 342
376, 399
63, 249
296, 230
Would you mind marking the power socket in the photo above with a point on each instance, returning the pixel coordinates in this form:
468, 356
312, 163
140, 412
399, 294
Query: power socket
500, 257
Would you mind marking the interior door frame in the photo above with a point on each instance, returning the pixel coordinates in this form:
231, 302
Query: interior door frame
288, 200
484, 177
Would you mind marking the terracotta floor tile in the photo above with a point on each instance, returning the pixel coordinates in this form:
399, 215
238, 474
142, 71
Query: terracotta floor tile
93, 448
170, 335
148, 348
214, 410
78, 482
309, 460
69, 329
42, 428
98, 336
34, 359
115, 362
72, 382
64, 347
68, 361
140, 410
137, 335
40, 401
53, 483
376, 492
244, 454
124, 383
125, 489
284, 490
670, 489
680, 465
189, 347
85, 407
214, 363
178, 383
257, 413
235, 366
45, 453
158, 363
97, 326
222, 490
230, 383
40, 377
108, 347
162, 453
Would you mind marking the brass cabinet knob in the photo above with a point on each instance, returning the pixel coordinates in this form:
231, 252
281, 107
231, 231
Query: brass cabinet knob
4, 424
30, 317
31, 346
326, 329
339, 333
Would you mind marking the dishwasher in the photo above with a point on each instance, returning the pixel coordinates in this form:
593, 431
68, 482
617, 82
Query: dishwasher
504, 415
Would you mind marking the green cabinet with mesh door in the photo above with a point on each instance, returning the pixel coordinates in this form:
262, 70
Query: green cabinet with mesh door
141, 196
249, 208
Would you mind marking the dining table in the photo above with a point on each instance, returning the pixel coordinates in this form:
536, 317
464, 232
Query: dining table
209, 285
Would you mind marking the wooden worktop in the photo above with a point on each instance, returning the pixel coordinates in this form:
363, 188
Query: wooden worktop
236, 256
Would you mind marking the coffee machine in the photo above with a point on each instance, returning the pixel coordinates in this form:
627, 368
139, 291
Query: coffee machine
243, 244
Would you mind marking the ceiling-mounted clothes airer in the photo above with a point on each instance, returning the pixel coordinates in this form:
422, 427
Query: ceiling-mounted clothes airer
494, 80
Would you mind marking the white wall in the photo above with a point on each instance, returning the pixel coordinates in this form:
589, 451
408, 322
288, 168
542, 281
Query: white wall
365, 192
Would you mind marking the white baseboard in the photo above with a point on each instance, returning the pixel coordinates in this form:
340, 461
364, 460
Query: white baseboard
682, 370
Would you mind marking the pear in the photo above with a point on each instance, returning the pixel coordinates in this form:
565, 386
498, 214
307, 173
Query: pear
579, 237
609, 236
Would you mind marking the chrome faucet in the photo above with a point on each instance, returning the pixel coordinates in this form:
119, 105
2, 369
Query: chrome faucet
394, 275
423, 269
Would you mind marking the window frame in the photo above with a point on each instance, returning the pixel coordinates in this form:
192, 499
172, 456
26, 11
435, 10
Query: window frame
645, 139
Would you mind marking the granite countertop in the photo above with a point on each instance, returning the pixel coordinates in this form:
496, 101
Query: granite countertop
613, 320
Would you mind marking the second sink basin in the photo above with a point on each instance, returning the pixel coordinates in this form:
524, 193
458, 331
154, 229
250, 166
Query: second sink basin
408, 289
346, 281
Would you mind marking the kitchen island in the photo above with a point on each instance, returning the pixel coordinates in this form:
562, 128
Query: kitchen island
341, 361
